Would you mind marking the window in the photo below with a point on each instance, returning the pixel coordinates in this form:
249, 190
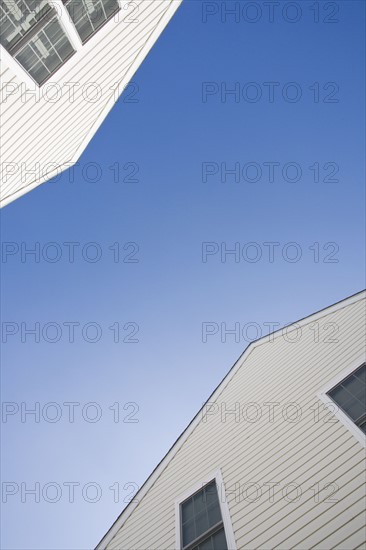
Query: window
89, 15
201, 521
33, 34
350, 396
17, 17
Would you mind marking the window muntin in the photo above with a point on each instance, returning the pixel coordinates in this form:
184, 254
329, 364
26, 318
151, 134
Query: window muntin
89, 15
31, 32
45, 52
17, 17
33, 35
350, 396
201, 521
217, 541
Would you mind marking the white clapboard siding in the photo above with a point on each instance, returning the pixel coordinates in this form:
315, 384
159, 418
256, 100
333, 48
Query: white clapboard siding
49, 136
310, 451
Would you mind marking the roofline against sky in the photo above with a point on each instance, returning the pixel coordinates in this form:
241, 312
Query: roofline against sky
121, 519
145, 50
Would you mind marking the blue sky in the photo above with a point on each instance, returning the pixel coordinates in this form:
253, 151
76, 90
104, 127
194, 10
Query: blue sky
174, 279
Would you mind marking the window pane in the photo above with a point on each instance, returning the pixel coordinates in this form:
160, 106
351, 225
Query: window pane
199, 502
340, 396
350, 395
355, 387
199, 514
356, 410
214, 542
201, 523
363, 427
361, 374
89, 15
17, 17
211, 492
45, 52
39, 72
206, 545
219, 541
187, 510
214, 514
188, 532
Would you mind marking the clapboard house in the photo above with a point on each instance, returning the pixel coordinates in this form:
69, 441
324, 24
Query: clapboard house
275, 459
64, 63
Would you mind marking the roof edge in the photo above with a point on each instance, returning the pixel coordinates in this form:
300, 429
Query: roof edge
145, 50
155, 474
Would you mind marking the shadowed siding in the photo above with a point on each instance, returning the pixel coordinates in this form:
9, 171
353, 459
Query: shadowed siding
303, 452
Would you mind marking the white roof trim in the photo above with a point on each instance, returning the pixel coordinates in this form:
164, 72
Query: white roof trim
168, 14
124, 81
197, 419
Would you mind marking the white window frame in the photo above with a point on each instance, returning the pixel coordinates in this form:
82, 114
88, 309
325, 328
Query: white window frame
225, 513
68, 26
70, 30
329, 403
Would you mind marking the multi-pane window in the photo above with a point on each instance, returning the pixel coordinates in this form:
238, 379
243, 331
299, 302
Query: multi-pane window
89, 15
32, 34
201, 521
31, 31
17, 17
350, 396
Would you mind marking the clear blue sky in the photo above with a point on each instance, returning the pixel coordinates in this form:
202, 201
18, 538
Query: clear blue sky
176, 204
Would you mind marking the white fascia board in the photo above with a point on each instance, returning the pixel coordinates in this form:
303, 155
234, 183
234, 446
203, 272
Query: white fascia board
24, 77
197, 419
29, 187
124, 81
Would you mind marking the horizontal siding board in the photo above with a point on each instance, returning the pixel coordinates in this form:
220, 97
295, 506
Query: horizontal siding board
284, 451
91, 66
56, 131
94, 67
53, 125
354, 535
355, 541
321, 473
299, 515
271, 433
334, 527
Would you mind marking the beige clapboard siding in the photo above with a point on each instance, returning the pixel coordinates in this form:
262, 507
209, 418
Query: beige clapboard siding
279, 542
355, 511
305, 452
350, 541
315, 473
160, 504
270, 395
63, 129
295, 516
252, 463
251, 429
299, 516
162, 527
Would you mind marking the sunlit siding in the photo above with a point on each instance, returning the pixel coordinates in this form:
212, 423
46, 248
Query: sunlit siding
305, 452
35, 130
